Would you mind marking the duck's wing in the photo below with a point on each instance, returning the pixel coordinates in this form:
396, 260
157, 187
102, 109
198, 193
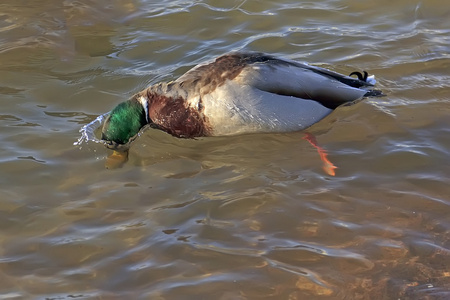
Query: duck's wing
275, 75
290, 78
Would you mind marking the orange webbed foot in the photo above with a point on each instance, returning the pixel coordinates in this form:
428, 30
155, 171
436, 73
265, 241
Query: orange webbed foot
328, 166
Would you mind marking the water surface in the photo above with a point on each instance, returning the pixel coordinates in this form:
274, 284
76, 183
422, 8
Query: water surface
243, 217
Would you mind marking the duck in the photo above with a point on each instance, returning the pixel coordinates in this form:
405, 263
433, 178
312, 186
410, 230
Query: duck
236, 93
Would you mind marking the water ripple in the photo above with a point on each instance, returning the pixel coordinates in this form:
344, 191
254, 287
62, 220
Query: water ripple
245, 217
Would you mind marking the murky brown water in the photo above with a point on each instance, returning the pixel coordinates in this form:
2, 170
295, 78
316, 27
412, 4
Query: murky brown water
244, 217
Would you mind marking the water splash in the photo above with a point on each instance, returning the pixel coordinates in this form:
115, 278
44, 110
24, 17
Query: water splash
88, 132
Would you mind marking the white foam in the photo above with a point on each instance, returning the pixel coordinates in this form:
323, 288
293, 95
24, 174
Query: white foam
88, 131
371, 80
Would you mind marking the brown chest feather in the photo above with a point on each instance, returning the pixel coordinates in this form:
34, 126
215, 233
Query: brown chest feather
176, 118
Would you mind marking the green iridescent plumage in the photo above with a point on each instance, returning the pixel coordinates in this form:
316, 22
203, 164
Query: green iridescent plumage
124, 122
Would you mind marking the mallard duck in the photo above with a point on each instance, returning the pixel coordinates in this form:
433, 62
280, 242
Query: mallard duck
237, 93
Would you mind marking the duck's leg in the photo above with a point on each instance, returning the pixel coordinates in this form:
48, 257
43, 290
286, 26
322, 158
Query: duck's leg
328, 166
116, 159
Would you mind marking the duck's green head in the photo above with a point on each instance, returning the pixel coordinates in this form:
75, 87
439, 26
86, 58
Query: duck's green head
124, 122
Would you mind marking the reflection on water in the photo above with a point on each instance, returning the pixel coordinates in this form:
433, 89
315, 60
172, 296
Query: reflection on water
242, 217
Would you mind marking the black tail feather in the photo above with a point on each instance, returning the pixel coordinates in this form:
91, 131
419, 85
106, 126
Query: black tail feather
360, 76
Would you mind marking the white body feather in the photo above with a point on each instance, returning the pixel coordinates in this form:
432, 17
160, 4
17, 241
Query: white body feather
244, 93
235, 109
248, 104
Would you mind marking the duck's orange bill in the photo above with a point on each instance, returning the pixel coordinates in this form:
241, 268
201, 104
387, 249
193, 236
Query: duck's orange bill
116, 159
328, 167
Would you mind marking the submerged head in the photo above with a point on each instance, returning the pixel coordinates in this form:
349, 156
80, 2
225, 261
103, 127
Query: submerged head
124, 122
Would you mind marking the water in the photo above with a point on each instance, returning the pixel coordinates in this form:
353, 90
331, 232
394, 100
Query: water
243, 217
